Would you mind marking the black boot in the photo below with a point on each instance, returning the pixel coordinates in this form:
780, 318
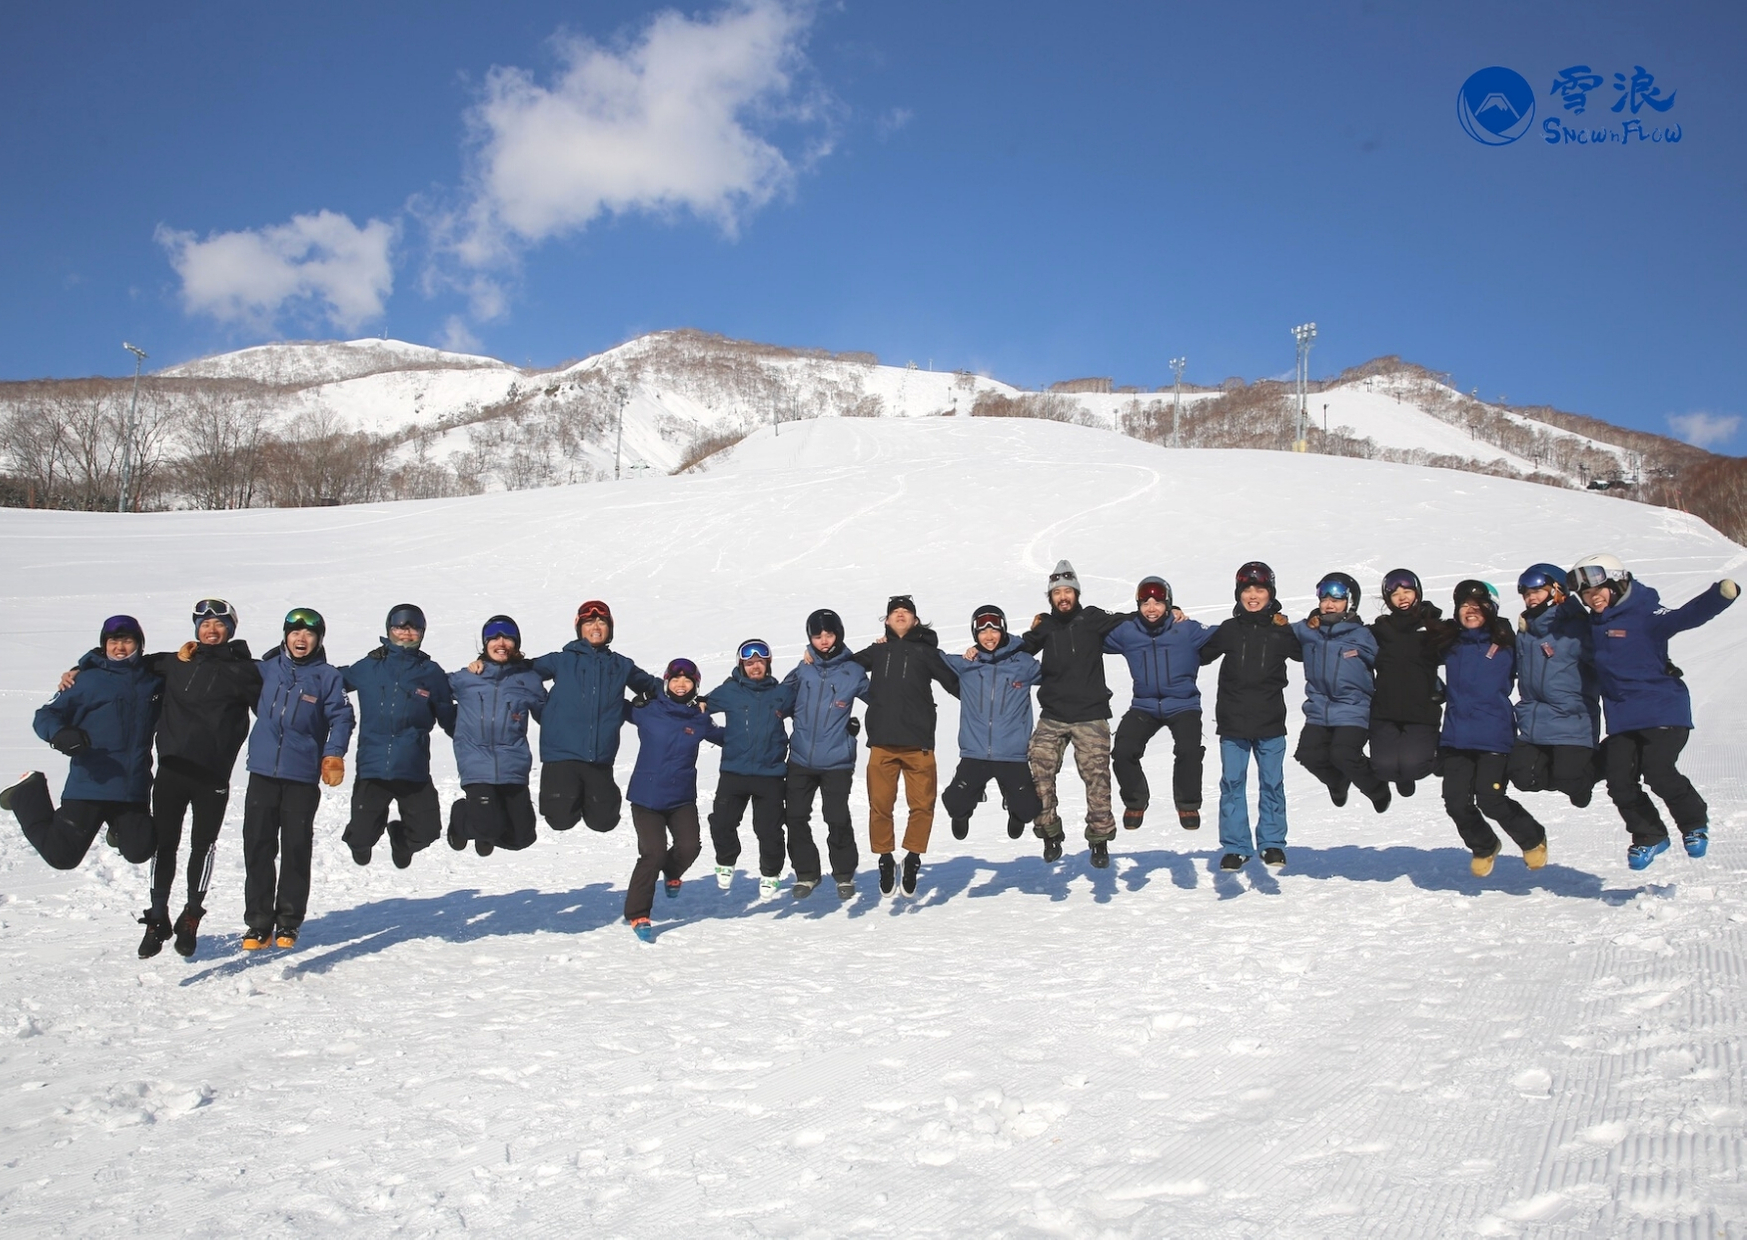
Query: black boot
888, 874
157, 933
1100, 854
912, 867
961, 827
187, 925
29, 798
1015, 827
1052, 848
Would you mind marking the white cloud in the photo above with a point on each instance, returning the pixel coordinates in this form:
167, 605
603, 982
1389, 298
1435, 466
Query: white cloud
892, 120
1704, 430
322, 263
674, 121
457, 337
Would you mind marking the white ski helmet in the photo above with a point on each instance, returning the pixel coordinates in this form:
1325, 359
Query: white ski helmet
1601, 569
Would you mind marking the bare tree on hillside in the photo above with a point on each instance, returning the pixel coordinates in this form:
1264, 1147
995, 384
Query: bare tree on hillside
224, 441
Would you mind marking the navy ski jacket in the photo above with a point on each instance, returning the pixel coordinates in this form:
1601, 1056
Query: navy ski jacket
492, 707
1639, 688
994, 701
1339, 655
825, 691
1478, 671
1163, 659
303, 716
586, 706
402, 695
115, 702
668, 736
1557, 699
756, 742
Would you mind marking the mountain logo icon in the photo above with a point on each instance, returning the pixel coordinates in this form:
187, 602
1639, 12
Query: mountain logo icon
1496, 106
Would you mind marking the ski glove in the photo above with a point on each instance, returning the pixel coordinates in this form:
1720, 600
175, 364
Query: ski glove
1728, 589
333, 771
70, 740
185, 652
854, 726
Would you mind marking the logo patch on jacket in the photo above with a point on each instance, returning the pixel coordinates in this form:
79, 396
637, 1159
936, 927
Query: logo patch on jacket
309, 697
1547, 649
423, 692
840, 704
1616, 632
1491, 650
1349, 654
691, 731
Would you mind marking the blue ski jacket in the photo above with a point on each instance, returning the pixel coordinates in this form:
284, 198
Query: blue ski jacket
994, 701
115, 702
492, 707
1639, 686
1163, 660
1477, 673
303, 716
756, 742
825, 692
1339, 655
668, 736
1557, 699
586, 706
402, 695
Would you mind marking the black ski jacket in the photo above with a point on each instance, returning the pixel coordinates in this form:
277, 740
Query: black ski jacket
900, 697
1407, 668
1073, 689
1255, 645
207, 701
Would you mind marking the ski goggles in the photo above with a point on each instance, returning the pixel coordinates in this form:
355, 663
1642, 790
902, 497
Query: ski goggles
214, 609
983, 621
121, 626
1588, 577
1157, 591
501, 628
682, 667
305, 618
1401, 579
594, 609
1333, 587
407, 618
900, 600
1255, 573
754, 649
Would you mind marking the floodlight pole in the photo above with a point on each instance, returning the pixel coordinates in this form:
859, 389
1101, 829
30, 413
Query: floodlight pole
1177, 364
619, 448
1304, 335
139, 356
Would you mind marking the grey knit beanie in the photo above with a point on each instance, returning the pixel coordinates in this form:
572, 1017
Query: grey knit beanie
1063, 575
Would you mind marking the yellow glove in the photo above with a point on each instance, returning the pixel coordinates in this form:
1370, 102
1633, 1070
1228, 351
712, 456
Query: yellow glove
333, 771
186, 651
1728, 589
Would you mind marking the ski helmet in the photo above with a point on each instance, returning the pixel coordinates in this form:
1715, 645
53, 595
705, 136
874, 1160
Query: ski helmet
1600, 569
682, 667
1478, 592
1254, 573
825, 621
216, 609
753, 648
1339, 585
406, 616
594, 609
306, 618
122, 626
501, 626
1396, 578
1154, 588
1542, 576
988, 616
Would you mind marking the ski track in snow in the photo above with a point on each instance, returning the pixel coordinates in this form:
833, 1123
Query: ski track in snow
1370, 1043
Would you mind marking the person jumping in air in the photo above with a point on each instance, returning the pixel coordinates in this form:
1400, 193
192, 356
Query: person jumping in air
1339, 652
1479, 656
1645, 701
671, 725
1164, 658
1407, 706
492, 708
402, 695
822, 754
303, 723
994, 725
1558, 710
754, 767
1250, 715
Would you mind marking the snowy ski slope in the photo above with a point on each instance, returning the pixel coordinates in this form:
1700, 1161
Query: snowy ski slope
1370, 1043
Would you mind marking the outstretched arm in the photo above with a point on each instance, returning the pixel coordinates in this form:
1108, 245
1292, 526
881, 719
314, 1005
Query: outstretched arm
1707, 606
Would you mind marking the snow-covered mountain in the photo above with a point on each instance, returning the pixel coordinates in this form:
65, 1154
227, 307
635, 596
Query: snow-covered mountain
1371, 1043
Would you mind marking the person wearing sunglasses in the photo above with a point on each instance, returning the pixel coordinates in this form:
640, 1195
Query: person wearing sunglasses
102, 723
402, 694
303, 726
1249, 713
210, 686
826, 682
1558, 709
671, 727
579, 731
754, 767
1645, 701
494, 699
1073, 702
903, 667
1407, 704
1339, 653
1163, 650
994, 725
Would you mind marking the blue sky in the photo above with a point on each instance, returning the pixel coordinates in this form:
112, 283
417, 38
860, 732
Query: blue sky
1037, 190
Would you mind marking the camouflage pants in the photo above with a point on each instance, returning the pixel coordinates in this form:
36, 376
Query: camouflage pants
1091, 741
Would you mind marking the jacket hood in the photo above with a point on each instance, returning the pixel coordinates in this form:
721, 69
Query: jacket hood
389, 650
318, 655
579, 646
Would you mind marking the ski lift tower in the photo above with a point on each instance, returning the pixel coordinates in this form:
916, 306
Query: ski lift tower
1305, 335
139, 357
1177, 364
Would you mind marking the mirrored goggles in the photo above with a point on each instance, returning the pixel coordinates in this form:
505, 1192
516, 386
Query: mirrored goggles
754, 649
214, 609
1588, 577
986, 620
1331, 587
304, 618
501, 628
1155, 590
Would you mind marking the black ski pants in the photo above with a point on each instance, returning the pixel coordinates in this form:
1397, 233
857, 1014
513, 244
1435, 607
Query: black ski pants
278, 837
656, 856
1018, 792
179, 788
421, 814
833, 790
1649, 754
573, 792
1403, 752
1474, 783
1336, 756
501, 815
1571, 769
64, 836
765, 794
1133, 733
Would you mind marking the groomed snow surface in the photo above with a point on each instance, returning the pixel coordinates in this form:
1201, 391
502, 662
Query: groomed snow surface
1370, 1043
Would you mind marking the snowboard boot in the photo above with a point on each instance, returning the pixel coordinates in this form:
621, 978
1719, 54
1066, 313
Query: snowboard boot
1481, 866
1015, 827
1380, 798
360, 854
1536, 857
804, 887
398, 849
1052, 848
1404, 787
484, 847
1274, 858
846, 889
157, 933
29, 778
1233, 861
961, 827
186, 928
255, 940
1338, 793
29, 799
285, 937
1100, 854
456, 835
